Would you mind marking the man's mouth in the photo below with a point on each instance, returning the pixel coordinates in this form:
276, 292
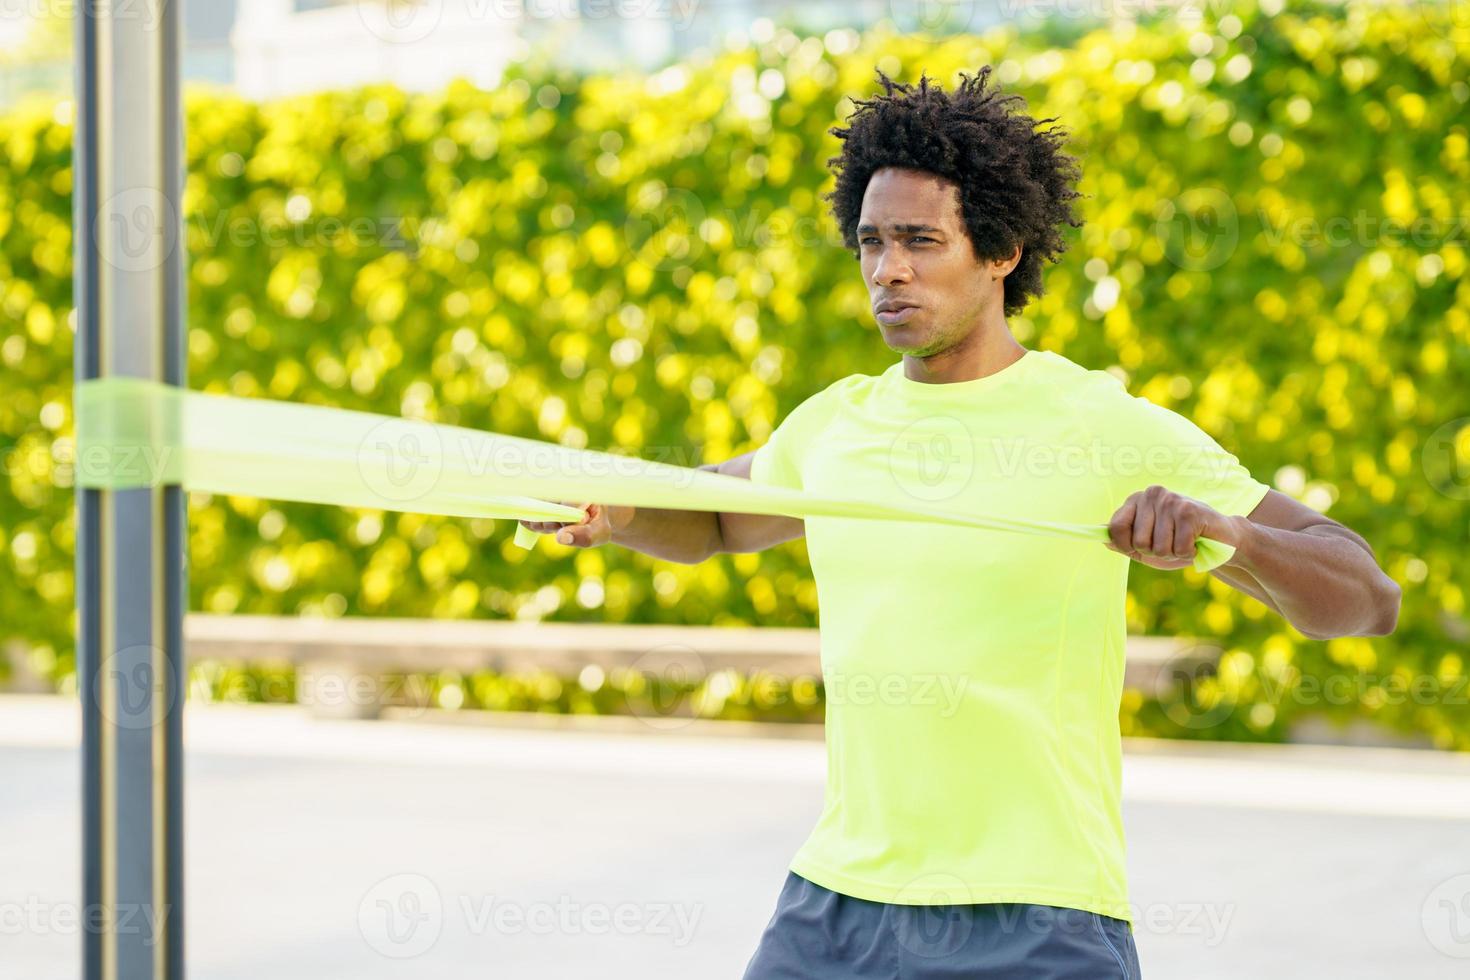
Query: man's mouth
896, 315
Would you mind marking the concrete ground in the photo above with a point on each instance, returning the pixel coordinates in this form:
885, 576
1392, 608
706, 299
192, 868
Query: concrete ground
361, 850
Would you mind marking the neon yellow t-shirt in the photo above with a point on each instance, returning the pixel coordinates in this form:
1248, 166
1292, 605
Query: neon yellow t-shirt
973, 677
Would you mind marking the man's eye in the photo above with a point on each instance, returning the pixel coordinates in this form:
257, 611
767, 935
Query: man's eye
921, 238
866, 241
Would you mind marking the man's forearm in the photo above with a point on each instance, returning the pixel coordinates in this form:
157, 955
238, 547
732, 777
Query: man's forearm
1246, 582
685, 536
1324, 582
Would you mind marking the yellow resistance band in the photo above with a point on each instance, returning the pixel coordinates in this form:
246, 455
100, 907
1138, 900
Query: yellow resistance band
134, 433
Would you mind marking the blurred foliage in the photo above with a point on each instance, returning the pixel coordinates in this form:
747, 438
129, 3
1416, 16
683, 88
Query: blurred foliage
47, 37
643, 264
657, 697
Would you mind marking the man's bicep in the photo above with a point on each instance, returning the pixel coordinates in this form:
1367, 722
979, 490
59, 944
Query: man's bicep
752, 532
1278, 510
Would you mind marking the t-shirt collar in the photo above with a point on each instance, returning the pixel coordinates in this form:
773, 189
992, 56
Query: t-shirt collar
906, 387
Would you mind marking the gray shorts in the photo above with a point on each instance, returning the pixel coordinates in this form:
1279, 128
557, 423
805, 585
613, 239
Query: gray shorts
819, 934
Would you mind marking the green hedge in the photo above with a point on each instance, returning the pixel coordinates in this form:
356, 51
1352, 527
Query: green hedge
644, 264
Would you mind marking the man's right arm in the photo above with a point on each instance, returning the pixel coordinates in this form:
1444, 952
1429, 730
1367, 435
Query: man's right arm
685, 536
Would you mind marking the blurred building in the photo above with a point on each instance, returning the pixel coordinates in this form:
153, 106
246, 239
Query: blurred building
285, 46
269, 48
207, 52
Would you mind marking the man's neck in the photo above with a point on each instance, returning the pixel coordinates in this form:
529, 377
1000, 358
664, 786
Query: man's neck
989, 352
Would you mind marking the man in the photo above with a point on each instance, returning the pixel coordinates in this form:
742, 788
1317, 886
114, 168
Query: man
981, 835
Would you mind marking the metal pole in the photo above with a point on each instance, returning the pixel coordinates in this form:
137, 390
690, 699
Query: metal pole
128, 184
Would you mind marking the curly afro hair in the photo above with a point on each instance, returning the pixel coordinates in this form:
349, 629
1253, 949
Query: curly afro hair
1013, 177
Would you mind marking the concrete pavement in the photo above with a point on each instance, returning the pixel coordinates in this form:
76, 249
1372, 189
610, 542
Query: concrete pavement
364, 850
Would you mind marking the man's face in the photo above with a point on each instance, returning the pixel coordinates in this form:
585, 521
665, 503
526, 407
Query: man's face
914, 250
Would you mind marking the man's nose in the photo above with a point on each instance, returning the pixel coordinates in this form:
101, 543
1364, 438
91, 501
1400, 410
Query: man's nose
890, 268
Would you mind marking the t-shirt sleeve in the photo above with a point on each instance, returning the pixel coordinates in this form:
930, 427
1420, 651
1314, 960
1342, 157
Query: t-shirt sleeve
774, 462
1155, 445
777, 462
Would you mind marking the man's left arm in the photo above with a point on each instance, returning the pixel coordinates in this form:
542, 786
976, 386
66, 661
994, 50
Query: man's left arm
1317, 573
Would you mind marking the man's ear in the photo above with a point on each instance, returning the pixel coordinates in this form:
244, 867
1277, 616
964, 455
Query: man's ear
1005, 268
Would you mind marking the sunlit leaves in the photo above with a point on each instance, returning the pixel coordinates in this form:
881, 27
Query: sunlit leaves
1275, 246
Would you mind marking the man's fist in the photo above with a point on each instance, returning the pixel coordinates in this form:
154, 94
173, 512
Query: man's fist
1158, 528
597, 526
